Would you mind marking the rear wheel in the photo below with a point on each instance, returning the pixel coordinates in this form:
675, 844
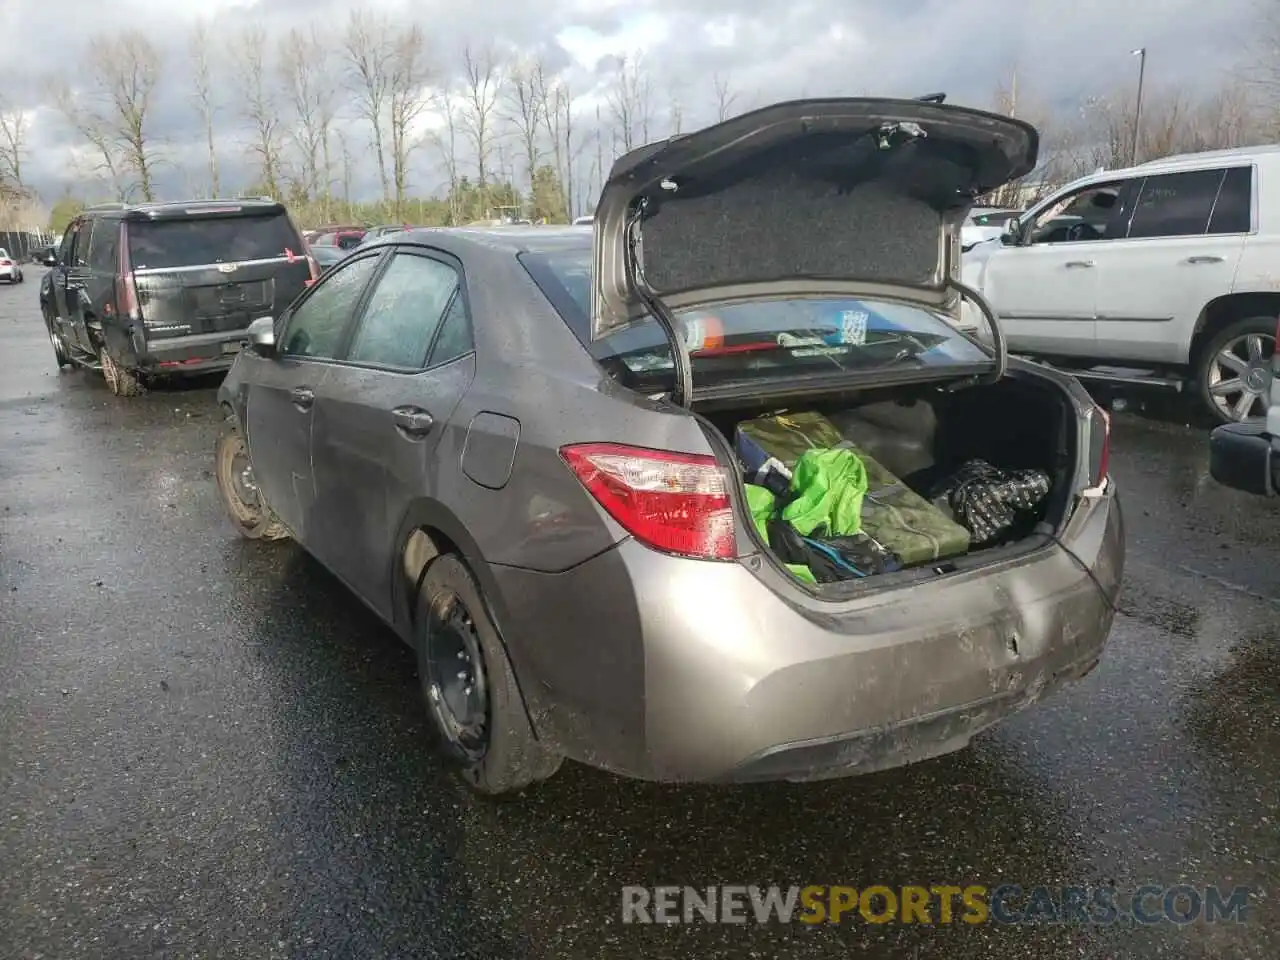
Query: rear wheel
470, 688
120, 381
1233, 371
238, 486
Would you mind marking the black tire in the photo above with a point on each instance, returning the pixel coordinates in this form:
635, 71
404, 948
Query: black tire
120, 380
59, 348
254, 520
485, 731
1205, 361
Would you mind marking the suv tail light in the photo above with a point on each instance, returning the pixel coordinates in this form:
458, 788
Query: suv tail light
675, 502
126, 289
1099, 448
313, 267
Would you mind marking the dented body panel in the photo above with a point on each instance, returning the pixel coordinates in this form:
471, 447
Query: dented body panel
669, 669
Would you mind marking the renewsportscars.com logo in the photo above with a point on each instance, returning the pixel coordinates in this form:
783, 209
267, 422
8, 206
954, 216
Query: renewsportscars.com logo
938, 904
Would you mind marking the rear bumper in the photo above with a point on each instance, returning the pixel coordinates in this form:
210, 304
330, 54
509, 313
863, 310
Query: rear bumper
1245, 457
670, 669
194, 354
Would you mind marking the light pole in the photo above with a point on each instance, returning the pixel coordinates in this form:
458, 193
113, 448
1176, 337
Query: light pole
1141, 54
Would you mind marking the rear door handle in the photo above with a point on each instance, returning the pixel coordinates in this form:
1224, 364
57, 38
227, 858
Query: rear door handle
413, 421
1203, 260
302, 398
1079, 263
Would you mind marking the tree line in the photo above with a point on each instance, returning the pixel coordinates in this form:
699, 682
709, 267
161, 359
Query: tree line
316, 105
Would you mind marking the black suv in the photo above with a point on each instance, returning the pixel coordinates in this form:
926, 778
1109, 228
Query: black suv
169, 288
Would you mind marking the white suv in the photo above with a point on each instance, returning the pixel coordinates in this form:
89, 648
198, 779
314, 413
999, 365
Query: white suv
1171, 266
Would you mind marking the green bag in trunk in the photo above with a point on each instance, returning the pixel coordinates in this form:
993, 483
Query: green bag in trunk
902, 521
893, 514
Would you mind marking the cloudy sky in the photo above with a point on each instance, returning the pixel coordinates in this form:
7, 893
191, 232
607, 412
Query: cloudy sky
769, 49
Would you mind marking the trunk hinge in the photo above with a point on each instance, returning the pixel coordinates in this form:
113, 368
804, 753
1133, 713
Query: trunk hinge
680, 394
998, 346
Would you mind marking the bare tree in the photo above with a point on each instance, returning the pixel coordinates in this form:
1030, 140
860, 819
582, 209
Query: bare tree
725, 96
344, 152
305, 73
13, 148
368, 49
260, 104
630, 100
526, 102
481, 97
409, 96
202, 84
88, 122
112, 112
446, 141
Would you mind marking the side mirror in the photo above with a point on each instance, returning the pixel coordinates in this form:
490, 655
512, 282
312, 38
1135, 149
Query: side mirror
262, 336
1012, 234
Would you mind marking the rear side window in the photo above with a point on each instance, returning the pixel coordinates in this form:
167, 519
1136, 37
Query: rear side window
1233, 213
1175, 204
102, 246
165, 244
403, 312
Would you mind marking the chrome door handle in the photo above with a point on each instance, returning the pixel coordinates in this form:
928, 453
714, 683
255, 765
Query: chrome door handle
413, 421
302, 398
1203, 260
1078, 263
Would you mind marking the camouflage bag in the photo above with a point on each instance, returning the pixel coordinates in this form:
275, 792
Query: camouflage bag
895, 516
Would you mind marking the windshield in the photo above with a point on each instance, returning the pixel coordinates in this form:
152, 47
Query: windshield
184, 243
780, 337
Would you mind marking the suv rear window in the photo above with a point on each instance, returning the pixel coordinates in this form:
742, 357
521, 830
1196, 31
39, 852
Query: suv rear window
185, 243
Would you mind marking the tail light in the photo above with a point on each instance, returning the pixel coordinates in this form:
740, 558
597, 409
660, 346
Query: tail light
1099, 448
126, 289
5, 262
675, 502
313, 267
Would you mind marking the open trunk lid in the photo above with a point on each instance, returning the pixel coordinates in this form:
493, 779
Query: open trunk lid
215, 273
850, 197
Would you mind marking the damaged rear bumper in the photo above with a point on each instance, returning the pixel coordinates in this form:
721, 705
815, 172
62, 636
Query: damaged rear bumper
670, 669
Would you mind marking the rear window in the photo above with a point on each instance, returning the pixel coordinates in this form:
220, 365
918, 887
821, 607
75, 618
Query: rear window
185, 243
782, 337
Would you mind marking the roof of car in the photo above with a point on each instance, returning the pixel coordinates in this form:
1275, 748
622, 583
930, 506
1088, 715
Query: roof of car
516, 239
180, 209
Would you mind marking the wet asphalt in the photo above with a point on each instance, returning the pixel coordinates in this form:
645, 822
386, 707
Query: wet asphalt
209, 749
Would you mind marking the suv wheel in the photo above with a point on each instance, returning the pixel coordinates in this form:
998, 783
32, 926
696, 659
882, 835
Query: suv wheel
470, 687
59, 348
1233, 371
120, 381
234, 473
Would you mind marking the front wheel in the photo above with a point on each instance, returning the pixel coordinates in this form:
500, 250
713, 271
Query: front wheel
470, 688
1233, 371
249, 513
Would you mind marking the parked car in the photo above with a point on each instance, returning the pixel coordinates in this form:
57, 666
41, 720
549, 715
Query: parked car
377, 233
1246, 456
584, 221
1168, 268
10, 268
169, 288
983, 224
326, 255
522, 466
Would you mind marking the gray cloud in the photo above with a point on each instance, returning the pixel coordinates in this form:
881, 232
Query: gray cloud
770, 49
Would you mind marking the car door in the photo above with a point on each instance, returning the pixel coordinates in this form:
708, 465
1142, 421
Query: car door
1044, 288
1181, 250
282, 389
63, 298
379, 416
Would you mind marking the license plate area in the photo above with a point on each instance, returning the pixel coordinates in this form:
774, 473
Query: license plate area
233, 347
